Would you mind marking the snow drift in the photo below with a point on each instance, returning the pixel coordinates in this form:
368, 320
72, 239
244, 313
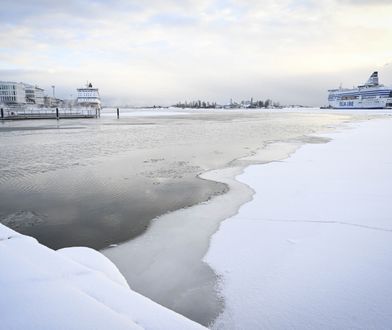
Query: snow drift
312, 250
73, 288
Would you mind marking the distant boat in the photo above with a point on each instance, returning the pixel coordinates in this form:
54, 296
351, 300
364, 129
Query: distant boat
88, 97
371, 95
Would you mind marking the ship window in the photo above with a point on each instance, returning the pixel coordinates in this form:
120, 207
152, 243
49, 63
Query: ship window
349, 97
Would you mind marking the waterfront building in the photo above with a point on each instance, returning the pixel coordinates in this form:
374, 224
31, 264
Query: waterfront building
88, 97
12, 93
34, 94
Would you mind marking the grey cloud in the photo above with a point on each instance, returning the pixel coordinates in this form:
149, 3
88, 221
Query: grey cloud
142, 52
19, 11
368, 2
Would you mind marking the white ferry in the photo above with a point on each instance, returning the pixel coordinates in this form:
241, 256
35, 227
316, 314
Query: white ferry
371, 95
88, 97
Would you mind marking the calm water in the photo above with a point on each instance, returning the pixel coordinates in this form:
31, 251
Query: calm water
96, 182
90, 182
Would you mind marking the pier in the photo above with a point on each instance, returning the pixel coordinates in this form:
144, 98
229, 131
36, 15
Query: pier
8, 113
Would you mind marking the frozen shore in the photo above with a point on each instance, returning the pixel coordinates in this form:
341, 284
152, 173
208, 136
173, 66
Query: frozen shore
99, 182
312, 249
92, 196
72, 288
165, 263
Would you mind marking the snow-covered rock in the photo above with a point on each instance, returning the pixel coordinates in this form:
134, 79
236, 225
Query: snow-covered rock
73, 288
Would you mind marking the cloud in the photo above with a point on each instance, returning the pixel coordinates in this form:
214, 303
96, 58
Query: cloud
368, 2
140, 52
170, 19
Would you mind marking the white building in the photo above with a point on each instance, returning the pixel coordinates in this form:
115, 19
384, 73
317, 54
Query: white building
52, 102
34, 94
88, 97
12, 93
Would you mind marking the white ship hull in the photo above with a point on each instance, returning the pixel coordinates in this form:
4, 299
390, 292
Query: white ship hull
371, 95
382, 103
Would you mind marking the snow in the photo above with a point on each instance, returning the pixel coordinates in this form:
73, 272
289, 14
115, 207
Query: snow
73, 288
148, 112
95, 261
312, 250
165, 262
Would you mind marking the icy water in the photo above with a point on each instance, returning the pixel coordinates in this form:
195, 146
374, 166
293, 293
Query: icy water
91, 183
98, 182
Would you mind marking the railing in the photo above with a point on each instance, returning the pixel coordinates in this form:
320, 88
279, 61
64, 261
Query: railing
32, 113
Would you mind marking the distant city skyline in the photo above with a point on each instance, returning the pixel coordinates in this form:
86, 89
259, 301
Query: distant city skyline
163, 52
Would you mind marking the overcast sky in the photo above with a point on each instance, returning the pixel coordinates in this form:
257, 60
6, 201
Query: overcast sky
160, 52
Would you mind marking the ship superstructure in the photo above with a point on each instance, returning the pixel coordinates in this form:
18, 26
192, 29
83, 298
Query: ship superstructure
88, 97
371, 95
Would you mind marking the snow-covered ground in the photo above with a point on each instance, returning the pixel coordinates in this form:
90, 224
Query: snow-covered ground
165, 263
72, 288
313, 249
148, 112
172, 111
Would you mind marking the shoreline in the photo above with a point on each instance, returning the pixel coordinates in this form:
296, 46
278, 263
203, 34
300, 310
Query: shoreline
184, 290
246, 289
168, 259
76, 189
74, 288
175, 244
155, 256
166, 150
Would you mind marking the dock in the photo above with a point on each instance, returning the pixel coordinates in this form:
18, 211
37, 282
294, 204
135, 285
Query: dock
47, 113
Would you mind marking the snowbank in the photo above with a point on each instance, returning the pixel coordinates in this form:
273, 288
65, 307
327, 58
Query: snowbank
73, 288
312, 250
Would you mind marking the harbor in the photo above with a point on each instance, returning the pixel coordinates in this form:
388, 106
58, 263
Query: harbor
66, 187
48, 113
21, 101
175, 165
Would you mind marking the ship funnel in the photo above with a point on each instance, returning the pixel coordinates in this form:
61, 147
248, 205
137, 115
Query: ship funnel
373, 79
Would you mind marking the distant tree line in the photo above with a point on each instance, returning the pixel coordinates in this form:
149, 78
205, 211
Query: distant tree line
243, 104
258, 104
197, 104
